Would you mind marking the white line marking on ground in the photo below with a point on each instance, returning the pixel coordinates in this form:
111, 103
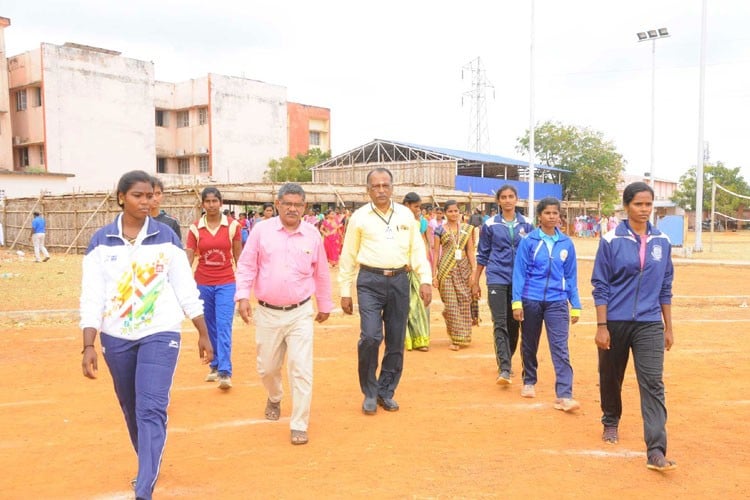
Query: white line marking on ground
514, 406
29, 402
212, 385
598, 453
116, 495
52, 339
225, 425
474, 356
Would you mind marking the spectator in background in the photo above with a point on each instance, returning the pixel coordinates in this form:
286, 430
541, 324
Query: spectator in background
418, 321
331, 231
268, 211
452, 274
157, 213
244, 227
38, 233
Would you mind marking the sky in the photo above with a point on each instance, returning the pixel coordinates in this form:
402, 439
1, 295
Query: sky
393, 69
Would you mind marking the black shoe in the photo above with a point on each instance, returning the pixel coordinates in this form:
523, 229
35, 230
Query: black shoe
388, 404
369, 407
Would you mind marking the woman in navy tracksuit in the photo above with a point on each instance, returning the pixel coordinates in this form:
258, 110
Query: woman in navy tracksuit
545, 279
632, 282
498, 240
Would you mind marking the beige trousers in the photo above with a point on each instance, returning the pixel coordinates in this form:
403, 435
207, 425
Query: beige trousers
291, 333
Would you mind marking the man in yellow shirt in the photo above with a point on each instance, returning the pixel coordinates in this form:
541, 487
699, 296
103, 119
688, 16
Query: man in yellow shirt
382, 238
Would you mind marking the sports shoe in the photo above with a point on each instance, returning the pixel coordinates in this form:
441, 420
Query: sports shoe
609, 435
566, 404
528, 391
45, 259
225, 382
503, 378
212, 376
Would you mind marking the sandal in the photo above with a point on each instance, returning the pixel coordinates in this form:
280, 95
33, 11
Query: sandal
454, 347
299, 437
659, 462
423, 348
273, 410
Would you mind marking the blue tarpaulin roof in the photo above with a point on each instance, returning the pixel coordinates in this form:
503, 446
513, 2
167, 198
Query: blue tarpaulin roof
481, 157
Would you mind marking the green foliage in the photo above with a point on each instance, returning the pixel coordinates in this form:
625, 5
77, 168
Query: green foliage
594, 162
728, 178
288, 169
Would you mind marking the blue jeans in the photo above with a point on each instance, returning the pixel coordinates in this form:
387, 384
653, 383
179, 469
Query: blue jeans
218, 309
556, 321
142, 372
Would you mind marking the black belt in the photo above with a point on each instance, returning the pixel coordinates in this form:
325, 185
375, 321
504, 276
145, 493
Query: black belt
282, 308
383, 272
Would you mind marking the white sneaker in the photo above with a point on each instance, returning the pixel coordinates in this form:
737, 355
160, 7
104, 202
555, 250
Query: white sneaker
225, 382
528, 391
566, 404
212, 376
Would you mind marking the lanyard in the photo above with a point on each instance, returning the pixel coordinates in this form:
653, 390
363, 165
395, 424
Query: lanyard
387, 222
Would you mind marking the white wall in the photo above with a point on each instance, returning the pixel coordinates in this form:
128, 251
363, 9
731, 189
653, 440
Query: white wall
248, 127
99, 114
23, 185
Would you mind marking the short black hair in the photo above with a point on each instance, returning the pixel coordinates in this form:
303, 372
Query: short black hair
411, 197
633, 189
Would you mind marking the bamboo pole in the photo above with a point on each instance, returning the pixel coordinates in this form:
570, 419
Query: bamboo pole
85, 225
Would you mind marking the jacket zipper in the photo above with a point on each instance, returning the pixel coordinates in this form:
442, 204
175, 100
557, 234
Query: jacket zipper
638, 288
549, 270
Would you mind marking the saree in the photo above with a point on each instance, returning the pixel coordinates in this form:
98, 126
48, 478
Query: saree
418, 321
453, 283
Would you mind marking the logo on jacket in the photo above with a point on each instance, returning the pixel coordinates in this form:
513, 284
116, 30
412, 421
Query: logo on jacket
563, 255
656, 253
174, 344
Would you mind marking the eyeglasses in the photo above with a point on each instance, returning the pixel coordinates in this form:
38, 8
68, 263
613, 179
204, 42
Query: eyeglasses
381, 187
288, 204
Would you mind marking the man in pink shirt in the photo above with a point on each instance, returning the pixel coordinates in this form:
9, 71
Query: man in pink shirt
284, 263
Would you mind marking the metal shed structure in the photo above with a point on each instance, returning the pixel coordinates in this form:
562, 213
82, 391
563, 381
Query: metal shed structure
424, 165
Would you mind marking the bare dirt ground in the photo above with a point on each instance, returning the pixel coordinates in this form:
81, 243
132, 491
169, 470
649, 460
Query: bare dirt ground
457, 435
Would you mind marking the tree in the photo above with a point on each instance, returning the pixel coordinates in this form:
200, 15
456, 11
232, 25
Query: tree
729, 178
288, 169
594, 162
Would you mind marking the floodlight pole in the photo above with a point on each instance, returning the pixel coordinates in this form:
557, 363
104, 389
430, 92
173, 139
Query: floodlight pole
530, 210
653, 35
698, 246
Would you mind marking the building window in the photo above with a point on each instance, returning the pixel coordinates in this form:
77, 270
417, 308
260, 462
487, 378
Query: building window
37, 97
23, 157
183, 166
161, 165
41, 155
203, 163
314, 138
202, 116
161, 118
183, 118
21, 100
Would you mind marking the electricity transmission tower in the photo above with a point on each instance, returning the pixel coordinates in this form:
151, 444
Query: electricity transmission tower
479, 135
